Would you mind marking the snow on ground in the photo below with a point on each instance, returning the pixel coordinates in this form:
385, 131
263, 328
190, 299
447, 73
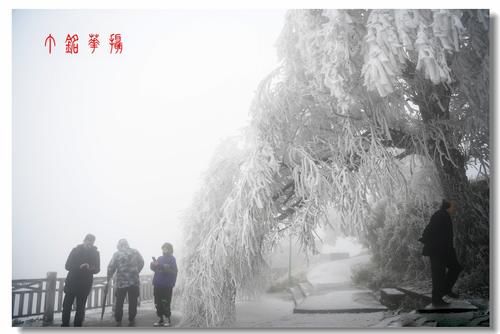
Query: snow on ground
271, 310
276, 311
335, 271
341, 301
346, 244
344, 320
268, 308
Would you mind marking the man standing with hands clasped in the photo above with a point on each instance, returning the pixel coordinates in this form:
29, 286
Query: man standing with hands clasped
83, 262
438, 245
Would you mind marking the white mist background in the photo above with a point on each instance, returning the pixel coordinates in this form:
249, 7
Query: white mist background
115, 144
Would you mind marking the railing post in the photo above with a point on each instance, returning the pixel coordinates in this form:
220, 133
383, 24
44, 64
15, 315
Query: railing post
50, 298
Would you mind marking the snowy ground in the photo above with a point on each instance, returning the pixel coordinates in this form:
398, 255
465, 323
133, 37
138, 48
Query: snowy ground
268, 308
272, 310
276, 310
335, 272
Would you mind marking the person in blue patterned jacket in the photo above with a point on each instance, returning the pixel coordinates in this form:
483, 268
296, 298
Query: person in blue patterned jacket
165, 269
127, 263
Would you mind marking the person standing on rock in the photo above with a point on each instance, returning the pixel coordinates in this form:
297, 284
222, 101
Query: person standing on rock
165, 269
438, 245
127, 263
82, 264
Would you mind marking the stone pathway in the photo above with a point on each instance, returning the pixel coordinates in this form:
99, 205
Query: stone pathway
276, 311
345, 301
333, 292
455, 306
459, 313
146, 317
330, 302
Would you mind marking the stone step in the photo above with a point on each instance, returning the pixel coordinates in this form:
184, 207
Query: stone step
391, 298
424, 294
338, 311
455, 306
451, 319
346, 301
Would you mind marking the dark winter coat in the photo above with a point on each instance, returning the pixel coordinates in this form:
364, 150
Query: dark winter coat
438, 235
165, 272
79, 281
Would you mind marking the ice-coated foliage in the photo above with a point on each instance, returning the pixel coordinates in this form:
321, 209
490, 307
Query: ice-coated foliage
367, 106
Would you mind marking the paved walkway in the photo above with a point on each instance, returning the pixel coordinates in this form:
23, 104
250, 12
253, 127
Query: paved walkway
276, 310
146, 317
270, 311
344, 301
335, 272
333, 291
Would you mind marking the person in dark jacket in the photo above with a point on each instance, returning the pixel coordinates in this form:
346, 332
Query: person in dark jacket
438, 245
82, 264
165, 269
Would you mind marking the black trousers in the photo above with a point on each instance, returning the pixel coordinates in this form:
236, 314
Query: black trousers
69, 298
445, 271
163, 298
133, 296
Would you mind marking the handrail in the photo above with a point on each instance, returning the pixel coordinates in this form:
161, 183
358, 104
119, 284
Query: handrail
44, 296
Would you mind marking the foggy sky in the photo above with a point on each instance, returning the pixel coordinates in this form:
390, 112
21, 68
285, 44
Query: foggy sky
114, 145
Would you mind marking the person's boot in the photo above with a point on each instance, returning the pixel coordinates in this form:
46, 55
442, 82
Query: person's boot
159, 323
440, 302
452, 294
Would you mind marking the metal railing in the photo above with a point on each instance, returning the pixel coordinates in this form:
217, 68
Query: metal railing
44, 296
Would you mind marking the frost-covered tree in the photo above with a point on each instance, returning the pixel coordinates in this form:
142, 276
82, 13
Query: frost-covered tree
357, 92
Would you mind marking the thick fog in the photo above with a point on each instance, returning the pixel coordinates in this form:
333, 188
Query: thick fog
115, 144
